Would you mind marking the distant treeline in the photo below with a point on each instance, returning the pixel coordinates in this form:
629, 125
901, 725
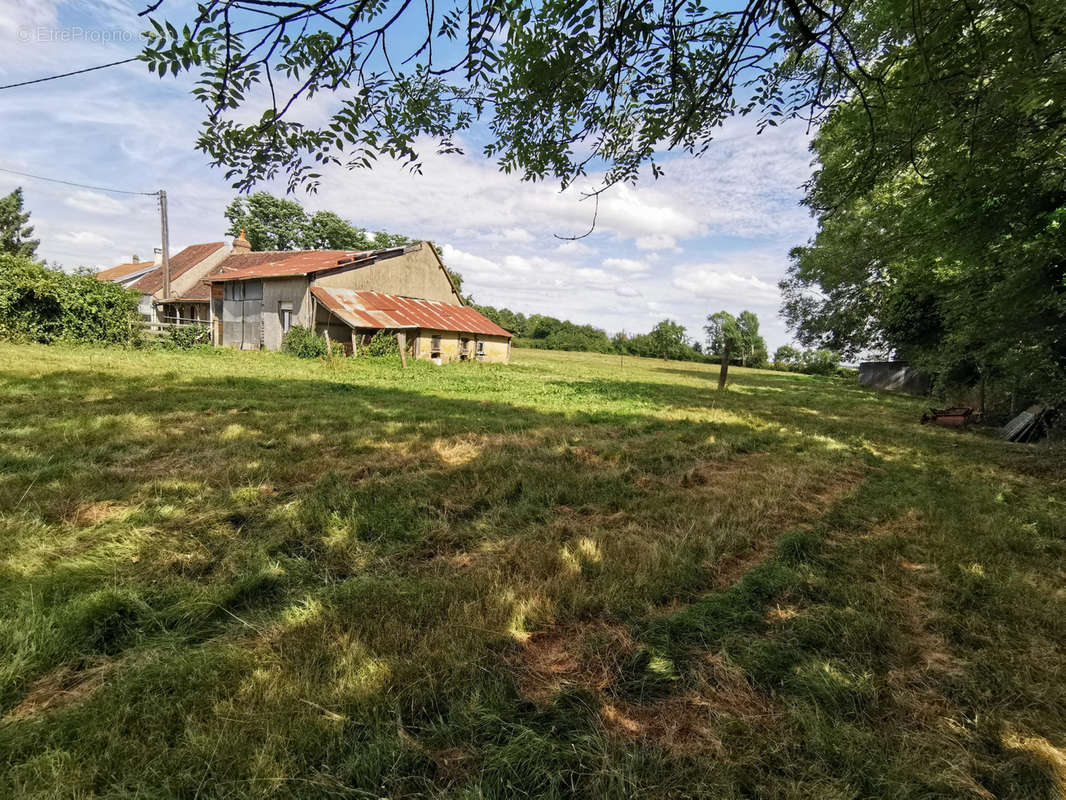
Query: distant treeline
667, 339
549, 333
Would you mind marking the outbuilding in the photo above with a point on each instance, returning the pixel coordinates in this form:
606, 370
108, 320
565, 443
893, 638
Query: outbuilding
349, 296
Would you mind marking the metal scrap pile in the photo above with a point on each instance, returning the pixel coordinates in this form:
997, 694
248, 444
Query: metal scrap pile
1028, 426
950, 417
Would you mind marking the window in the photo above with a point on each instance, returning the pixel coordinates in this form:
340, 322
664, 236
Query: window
434, 346
480, 349
285, 314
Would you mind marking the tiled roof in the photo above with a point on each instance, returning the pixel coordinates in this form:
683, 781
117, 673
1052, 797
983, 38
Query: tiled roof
292, 263
179, 264
122, 270
375, 310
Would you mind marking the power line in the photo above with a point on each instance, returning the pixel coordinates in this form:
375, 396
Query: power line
68, 74
78, 185
295, 18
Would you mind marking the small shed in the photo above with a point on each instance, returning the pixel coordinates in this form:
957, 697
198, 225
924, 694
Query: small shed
894, 376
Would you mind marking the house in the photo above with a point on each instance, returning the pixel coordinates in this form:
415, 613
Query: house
189, 298
126, 274
256, 297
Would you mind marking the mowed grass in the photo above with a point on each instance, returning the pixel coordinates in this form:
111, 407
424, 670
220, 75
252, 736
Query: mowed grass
229, 575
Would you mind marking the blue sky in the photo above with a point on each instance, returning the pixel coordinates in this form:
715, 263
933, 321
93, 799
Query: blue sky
713, 234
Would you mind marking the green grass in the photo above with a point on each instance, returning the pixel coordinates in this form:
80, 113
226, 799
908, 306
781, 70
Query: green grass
229, 575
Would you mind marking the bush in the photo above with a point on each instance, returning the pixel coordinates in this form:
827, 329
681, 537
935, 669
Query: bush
305, 343
820, 362
381, 343
40, 304
186, 337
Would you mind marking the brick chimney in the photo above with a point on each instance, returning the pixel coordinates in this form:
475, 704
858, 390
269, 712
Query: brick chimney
241, 245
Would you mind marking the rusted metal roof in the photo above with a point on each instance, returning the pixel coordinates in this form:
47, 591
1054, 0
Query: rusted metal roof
359, 309
295, 263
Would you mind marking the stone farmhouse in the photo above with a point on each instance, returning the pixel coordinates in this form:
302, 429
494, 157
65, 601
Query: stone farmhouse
251, 299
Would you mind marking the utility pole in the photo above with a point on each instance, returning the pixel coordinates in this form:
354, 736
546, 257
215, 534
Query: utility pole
166, 242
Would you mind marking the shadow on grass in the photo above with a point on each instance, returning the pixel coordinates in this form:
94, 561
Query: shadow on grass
314, 587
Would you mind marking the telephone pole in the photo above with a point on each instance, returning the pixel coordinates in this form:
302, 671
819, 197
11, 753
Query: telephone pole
166, 242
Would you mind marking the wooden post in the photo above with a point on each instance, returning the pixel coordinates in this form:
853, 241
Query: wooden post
401, 340
355, 342
723, 371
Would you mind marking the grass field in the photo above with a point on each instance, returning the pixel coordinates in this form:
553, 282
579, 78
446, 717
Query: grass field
228, 575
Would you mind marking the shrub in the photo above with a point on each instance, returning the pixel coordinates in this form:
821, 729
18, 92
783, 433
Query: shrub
382, 343
304, 343
186, 337
41, 304
820, 362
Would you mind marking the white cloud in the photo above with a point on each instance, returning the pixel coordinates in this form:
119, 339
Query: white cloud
726, 286
86, 238
626, 264
574, 249
656, 242
626, 291
95, 203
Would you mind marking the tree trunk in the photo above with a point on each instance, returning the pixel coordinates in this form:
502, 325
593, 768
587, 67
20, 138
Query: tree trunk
723, 371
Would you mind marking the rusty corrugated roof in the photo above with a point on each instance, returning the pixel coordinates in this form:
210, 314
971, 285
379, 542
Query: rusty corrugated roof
359, 309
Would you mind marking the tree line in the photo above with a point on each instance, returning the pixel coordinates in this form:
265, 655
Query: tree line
667, 339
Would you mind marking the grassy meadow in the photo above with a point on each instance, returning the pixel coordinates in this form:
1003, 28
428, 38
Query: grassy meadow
237, 575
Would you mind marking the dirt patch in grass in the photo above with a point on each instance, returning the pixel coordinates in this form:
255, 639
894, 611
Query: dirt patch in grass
585, 656
592, 656
90, 514
687, 724
62, 687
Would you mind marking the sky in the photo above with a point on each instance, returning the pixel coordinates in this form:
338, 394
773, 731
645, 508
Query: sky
712, 234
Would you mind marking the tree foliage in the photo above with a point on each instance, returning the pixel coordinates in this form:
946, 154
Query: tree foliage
941, 199
276, 223
786, 354
15, 231
40, 304
624, 80
723, 331
548, 333
668, 339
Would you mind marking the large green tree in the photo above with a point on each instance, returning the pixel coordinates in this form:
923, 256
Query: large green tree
276, 223
555, 86
668, 337
942, 200
15, 231
752, 345
725, 340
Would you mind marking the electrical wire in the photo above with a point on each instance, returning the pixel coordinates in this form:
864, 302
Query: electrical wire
68, 74
78, 185
295, 18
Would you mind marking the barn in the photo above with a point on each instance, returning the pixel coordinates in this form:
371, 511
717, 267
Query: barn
256, 297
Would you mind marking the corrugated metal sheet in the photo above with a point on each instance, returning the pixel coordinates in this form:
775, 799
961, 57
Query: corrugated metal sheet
375, 310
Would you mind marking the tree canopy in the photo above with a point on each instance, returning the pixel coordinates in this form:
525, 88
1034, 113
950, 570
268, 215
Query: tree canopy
15, 230
276, 223
557, 85
942, 239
